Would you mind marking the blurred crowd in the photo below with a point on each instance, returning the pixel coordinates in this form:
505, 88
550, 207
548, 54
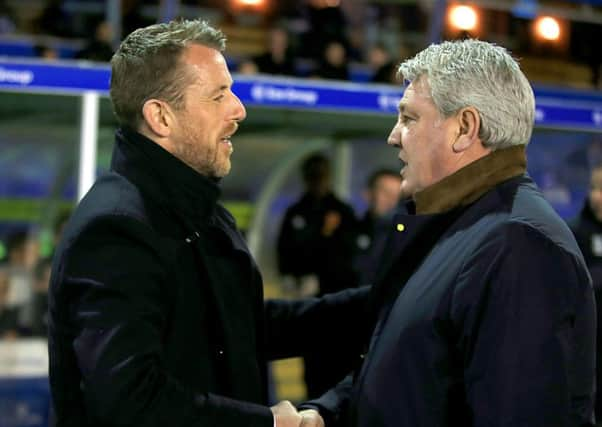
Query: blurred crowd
323, 48
358, 41
24, 279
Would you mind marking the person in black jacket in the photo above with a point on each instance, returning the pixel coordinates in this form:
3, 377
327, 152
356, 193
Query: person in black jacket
484, 310
317, 233
316, 245
587, 227
382, 192
156, 311
9, 325
278, 58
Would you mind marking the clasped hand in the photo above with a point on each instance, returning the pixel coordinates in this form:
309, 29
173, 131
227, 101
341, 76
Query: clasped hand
286, 415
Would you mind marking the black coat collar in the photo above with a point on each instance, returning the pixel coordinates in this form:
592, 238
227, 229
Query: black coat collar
164, 178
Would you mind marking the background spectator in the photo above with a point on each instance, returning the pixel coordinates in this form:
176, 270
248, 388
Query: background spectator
333, 63
382, 64
46, 52
7, 18
278, 59
382, 194
587, 228
326, 23
39, 323
132, 17
316, 240
21, 256
54, 20
98, 47
8, 315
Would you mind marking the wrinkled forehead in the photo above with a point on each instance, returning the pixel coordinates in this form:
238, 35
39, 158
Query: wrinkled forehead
417, 90
421, 86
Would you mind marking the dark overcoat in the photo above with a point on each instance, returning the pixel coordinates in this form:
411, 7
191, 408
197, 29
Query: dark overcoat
156, 310
487, 318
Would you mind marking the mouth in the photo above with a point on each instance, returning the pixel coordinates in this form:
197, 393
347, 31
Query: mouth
402, 171
404, 166
227, 138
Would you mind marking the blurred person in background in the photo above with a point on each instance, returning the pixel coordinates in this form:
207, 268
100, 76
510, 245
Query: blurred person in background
333, 62
54, 20
315, 241
21, 257
9, 325
156, 310
7, 18
587, 227
132, 16
382, 193
315, 254
485, 312
383, 66
278, 59
46, 52
98, 47
39, 301
326, 22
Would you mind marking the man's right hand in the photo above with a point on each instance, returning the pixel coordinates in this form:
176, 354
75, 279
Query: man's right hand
286, 415
311, 418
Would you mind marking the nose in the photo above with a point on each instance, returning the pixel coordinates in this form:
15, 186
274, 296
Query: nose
239, 111
394, 138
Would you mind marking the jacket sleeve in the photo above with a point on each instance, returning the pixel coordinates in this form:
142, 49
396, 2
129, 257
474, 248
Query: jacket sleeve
527, 336
296, 327
115, 284
334, 404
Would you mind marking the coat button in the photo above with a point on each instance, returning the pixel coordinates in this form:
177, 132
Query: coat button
401, 227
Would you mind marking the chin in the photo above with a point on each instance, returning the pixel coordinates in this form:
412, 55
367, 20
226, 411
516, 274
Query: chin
223, 171
406, 192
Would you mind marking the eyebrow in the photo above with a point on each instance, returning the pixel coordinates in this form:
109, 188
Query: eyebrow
401, 107
218, 90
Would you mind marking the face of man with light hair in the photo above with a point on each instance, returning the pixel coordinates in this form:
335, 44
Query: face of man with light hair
424, 138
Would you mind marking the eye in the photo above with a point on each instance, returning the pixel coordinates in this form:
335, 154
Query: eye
405, 119
218, 98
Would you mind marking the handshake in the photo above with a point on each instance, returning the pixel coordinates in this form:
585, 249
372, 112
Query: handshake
286, 415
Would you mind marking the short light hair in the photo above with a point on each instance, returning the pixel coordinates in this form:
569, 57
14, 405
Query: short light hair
148, 63
473, 73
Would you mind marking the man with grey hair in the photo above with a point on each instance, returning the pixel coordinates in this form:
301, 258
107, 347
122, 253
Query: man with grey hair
484, 313
156, 311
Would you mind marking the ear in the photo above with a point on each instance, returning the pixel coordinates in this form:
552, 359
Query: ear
470, 125
158, 117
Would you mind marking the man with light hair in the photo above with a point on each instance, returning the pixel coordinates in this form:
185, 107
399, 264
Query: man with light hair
485, 313
156, 311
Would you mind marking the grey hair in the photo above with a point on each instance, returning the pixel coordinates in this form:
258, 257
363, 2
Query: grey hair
481, 75
148, 65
